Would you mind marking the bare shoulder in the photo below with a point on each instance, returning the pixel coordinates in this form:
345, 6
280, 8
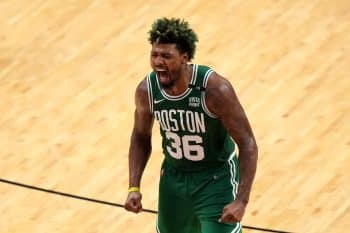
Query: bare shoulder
219, 93
142, 89
141, 96
222, 101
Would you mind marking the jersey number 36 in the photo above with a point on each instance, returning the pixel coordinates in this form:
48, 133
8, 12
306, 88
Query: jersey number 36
188, 146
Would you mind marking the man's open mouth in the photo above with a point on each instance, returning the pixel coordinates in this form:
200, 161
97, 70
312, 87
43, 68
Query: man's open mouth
163, 75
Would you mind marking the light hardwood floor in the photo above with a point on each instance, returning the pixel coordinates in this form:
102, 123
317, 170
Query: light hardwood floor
68, 71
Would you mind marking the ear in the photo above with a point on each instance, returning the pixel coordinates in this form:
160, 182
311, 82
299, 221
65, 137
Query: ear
184, 59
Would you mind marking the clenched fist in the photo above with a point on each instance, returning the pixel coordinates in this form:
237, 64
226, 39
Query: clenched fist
233, 212
133, 202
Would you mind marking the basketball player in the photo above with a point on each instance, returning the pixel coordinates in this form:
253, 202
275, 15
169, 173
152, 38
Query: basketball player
204, 184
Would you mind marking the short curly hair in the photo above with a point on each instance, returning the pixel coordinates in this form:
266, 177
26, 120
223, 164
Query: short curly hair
174, 31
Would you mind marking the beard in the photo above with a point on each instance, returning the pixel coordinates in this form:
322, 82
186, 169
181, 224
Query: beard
167, 85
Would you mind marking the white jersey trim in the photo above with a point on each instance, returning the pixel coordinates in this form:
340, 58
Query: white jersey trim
185, 93
238, 228
157, 227
233, 172
150, 93
204, 105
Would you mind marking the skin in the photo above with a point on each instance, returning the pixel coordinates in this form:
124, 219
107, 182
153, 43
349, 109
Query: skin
175, 81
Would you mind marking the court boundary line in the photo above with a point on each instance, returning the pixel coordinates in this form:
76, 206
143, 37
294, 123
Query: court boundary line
112, 203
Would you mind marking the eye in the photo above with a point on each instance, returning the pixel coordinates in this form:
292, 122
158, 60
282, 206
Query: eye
166, 56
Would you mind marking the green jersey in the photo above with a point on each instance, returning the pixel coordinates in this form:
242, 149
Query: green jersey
193, 137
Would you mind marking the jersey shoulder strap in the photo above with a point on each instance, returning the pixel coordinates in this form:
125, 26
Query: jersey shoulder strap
152, 88
202, 74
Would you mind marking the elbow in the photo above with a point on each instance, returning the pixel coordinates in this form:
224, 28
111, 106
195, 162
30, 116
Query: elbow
254, 147
249, 147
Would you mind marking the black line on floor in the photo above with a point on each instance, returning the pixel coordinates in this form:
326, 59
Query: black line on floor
111, 203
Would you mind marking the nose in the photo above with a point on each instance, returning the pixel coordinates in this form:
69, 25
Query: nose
157, 61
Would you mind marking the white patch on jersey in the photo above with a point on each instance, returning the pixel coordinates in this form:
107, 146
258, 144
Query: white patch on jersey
194, 101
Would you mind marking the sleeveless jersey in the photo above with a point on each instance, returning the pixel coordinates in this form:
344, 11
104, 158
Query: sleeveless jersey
193, 138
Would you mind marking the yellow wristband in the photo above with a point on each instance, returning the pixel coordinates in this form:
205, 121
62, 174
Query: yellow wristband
134, 189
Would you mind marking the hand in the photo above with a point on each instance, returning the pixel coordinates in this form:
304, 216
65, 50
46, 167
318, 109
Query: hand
133, 202
233, 212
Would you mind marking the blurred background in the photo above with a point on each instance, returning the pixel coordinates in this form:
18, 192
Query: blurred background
68, 72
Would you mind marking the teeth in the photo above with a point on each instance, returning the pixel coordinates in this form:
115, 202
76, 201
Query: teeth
160, 70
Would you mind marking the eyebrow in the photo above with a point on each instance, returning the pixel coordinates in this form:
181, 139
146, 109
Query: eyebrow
162, 53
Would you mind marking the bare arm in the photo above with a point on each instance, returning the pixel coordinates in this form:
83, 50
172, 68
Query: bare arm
223, 102
140, 145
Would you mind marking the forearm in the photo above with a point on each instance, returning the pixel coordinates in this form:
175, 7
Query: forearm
248, 155
139, 153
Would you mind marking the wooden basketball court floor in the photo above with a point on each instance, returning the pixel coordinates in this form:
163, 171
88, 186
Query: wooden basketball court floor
68, 71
